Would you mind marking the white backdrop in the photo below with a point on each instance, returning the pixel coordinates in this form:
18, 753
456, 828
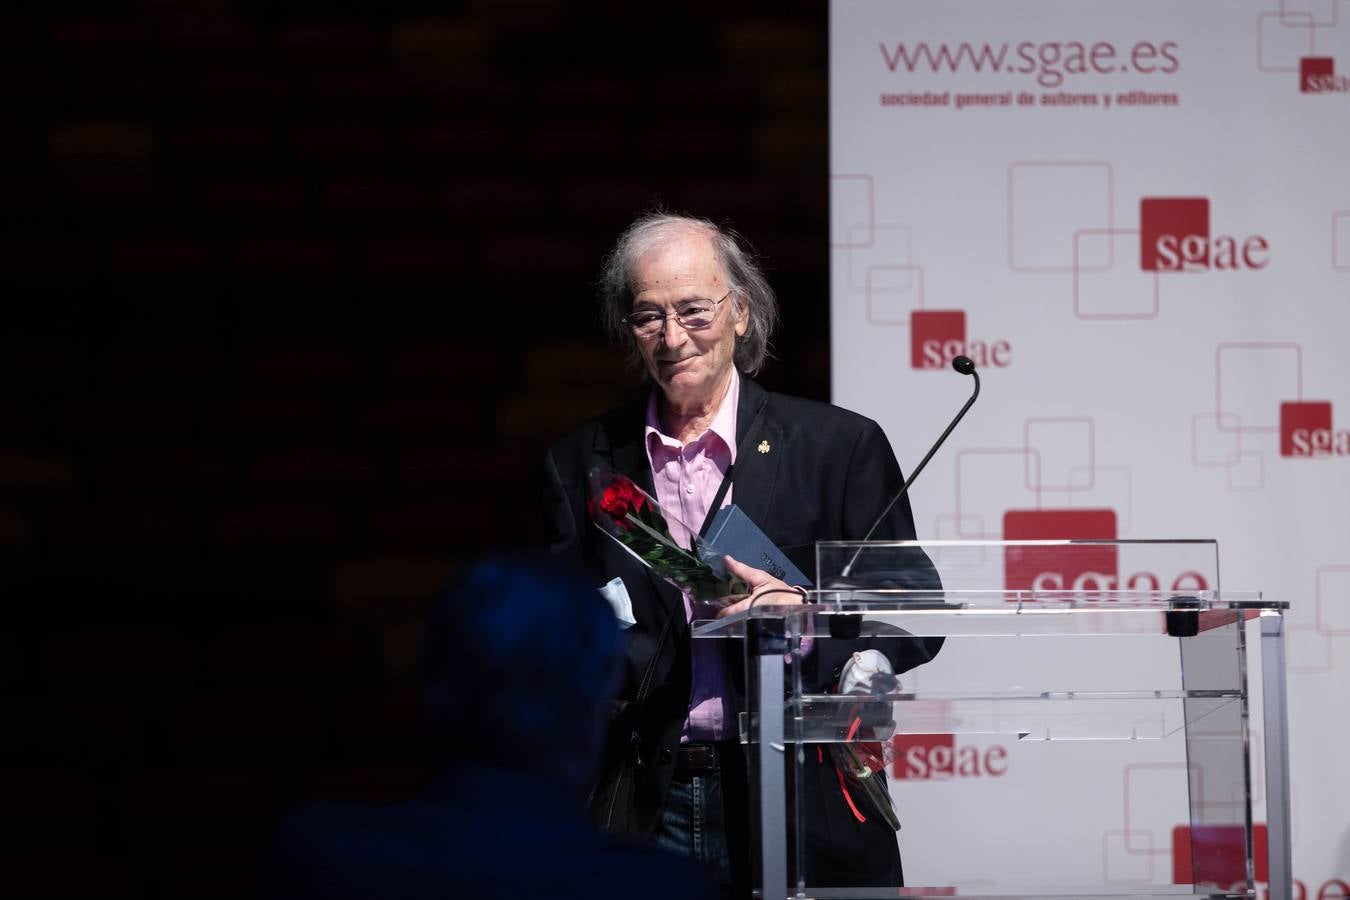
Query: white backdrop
1135, 217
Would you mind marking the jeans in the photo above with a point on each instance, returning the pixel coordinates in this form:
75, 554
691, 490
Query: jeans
694, 823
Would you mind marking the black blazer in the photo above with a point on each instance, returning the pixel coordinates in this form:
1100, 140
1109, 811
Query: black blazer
476, 832
827, 475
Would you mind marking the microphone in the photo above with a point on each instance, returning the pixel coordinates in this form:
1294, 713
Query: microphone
965, 366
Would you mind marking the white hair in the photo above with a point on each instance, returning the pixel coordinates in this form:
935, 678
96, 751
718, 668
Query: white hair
741, 271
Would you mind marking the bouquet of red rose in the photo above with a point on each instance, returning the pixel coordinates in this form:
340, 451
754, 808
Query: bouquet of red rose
626, 513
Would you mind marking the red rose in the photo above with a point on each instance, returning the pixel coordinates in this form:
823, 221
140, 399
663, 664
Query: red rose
620, 499
615, 502
611, 501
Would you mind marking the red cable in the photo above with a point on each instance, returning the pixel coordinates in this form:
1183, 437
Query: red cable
840, 773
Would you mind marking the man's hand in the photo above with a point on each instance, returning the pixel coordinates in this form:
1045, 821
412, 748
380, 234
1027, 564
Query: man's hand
764, 588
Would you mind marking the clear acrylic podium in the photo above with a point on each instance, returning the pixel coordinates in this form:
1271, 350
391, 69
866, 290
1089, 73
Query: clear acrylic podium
1101, 719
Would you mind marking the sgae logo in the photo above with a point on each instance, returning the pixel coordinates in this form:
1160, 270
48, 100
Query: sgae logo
934, 757
937, 336
1215, 855
1317, 75
1075, 567
1174, 236
1305, 430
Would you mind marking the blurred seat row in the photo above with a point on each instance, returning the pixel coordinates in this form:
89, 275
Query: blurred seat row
296, 293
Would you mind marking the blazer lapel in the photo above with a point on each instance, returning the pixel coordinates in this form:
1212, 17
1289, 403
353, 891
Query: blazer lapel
630, 456
757, 467
627, 452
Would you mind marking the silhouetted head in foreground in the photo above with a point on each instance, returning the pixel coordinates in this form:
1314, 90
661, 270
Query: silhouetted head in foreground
520, 658
520, 662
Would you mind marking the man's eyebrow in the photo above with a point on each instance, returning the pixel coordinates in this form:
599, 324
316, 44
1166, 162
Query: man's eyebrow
682, 301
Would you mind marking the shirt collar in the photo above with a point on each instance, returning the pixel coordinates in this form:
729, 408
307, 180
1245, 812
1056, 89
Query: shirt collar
723, 425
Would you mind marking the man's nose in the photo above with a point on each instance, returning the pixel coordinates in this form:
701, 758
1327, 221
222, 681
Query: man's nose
672, 332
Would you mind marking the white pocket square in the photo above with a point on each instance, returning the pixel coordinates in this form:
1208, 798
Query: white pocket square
617, 595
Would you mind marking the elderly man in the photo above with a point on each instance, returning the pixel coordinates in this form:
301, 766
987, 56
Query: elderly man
693, 307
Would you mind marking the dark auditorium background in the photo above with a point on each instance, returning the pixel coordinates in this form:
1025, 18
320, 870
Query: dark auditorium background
295, 294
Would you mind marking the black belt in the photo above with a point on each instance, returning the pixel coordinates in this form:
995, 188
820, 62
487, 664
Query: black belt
694, 759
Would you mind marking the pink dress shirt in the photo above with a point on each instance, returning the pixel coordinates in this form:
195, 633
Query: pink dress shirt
687, 477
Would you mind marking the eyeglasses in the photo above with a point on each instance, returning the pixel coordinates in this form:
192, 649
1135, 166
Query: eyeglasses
692, 315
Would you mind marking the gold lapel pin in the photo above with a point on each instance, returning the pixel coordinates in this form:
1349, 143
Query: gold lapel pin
763, 446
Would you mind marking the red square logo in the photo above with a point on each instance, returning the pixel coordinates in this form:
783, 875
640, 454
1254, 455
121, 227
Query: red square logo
1217, 855
1305, 428
1173, 233
1310, 69
936, 336
921, 757
1063, 566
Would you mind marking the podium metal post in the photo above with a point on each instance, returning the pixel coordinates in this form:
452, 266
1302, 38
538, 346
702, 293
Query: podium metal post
1280, 868
767, 644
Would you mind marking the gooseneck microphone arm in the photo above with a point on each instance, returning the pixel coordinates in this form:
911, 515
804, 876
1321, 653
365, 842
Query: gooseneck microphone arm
965, 366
